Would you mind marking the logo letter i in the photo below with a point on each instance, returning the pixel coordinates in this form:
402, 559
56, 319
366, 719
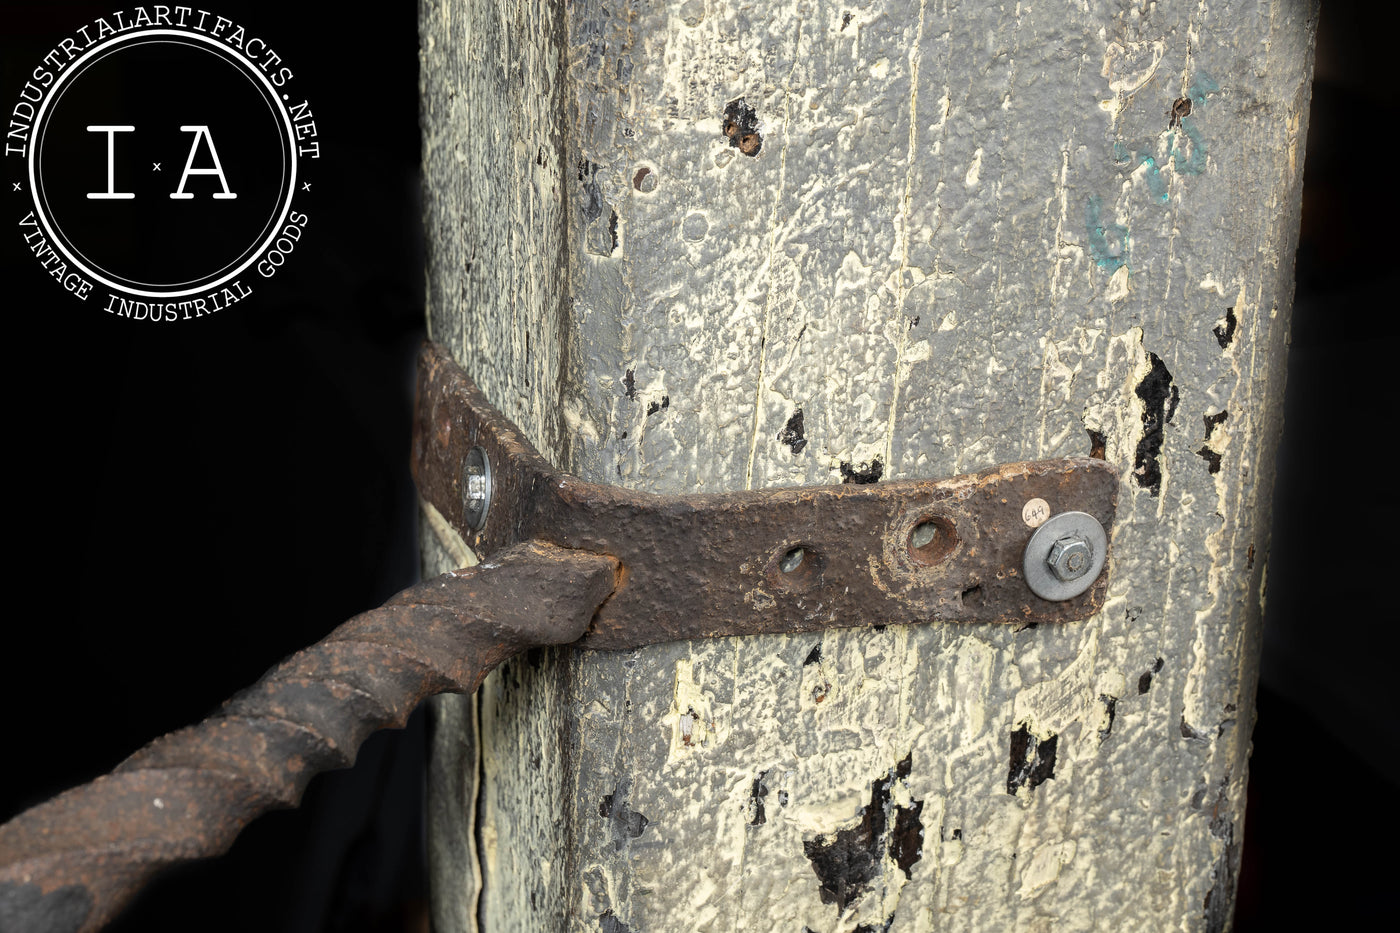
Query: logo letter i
110, 194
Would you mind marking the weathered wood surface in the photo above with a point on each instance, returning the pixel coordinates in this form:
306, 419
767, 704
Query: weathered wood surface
970, 234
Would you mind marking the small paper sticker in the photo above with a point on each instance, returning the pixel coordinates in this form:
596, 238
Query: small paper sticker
1035, 512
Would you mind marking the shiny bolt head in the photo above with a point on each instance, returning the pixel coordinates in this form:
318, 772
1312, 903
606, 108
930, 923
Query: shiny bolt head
1070, 557
476, 494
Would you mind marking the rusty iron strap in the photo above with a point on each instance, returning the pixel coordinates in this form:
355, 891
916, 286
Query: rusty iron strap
570, 561
71, 863
699, 566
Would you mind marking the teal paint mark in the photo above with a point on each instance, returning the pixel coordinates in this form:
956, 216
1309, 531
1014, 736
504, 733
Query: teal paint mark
1108, 245
1155, 182
1131, 159
1202, 85
1192, 159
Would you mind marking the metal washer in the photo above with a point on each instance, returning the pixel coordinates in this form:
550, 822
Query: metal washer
1040, 578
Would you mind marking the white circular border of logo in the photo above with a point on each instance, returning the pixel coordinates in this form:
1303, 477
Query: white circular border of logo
254, 254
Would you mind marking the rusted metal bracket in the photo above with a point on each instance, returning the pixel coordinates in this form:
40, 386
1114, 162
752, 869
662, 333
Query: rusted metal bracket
570, 561
742, 563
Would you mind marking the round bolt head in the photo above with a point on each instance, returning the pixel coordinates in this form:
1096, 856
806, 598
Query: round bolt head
1070, 557
476, 483
1065, 556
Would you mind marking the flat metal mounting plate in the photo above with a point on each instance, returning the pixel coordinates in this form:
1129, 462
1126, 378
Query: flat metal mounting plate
709, 565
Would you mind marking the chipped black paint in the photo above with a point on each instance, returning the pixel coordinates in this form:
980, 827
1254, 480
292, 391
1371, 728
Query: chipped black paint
848, 861
1206, 453
1219, 904
814, 656
612, 233
593, 194
609, 923
1145, 681
757, 813
1221, 825
653, 408
907, 840
1032, 759
792, 433
624, 823
1110, 708
1225, 333
863, 475
1181, 108
1189, 731
1098, 444
629, 382
1159, 397
741, 126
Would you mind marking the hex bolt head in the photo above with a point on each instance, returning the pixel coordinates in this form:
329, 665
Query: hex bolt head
476, 491
1070, 557
1065, 555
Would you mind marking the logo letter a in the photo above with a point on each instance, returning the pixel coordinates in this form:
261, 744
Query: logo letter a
202, 132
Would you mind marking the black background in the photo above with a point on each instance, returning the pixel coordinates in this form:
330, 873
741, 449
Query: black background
199, 499
191, 502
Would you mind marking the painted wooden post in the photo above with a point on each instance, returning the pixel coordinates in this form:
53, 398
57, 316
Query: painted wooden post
712, 246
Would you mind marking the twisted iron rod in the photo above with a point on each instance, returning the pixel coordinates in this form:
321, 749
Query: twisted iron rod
70, 864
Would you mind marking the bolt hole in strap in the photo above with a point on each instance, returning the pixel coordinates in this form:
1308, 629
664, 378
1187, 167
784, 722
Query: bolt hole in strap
569, 561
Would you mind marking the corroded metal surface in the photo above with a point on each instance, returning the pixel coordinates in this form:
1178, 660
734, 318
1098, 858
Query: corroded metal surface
705, 565
70, 864
604, 565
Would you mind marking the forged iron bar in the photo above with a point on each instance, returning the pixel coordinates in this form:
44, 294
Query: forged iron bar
70, 864
706, 565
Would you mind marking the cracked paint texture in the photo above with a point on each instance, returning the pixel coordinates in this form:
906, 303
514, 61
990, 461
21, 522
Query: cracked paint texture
968, 234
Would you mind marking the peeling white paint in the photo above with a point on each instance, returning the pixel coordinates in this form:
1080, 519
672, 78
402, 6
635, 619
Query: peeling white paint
974, 171
936, 326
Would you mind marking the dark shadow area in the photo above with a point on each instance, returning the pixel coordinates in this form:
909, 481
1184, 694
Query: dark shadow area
1324, 770
198, 499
